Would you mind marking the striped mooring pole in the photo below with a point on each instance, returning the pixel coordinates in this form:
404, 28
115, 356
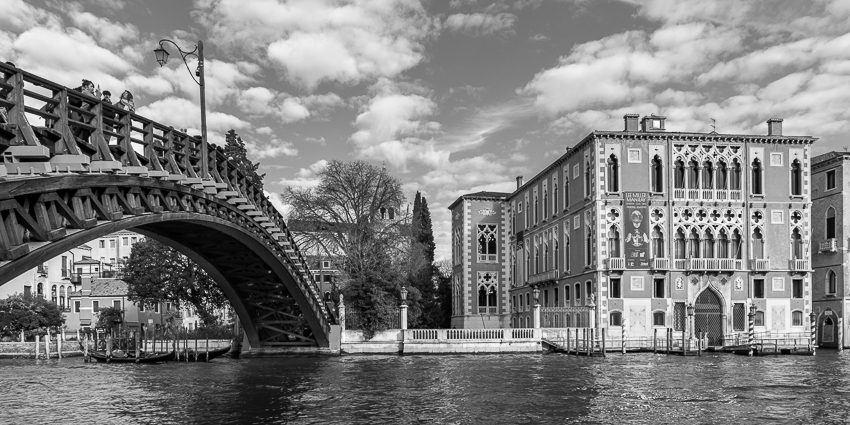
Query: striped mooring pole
813, 328
752, 317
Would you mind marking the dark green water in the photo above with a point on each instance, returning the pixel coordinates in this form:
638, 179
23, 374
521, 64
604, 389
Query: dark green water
637, 388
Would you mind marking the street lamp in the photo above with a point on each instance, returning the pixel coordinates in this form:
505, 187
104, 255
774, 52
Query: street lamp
403, 295
536, 293
198, 52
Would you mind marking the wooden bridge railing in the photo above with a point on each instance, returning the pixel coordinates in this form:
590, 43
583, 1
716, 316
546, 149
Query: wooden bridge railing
82, 134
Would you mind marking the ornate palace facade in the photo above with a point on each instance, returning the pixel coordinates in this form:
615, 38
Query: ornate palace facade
630, 228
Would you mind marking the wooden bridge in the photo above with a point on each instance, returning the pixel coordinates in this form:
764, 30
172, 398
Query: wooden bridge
92, 169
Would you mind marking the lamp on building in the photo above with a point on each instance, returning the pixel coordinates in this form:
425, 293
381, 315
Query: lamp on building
536, 293
161, 58
403, 295
753, 310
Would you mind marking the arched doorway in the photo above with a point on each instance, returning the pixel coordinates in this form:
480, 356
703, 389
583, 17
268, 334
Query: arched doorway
708, 317
828, 330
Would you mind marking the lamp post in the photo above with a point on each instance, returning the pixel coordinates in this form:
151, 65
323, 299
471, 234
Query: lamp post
198, 52
403, 307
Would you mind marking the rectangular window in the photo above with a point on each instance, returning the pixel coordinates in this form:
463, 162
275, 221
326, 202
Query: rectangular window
797, 318
156, 308
658, 288
587, 290
738, 317
546, 298
95, 306
116, 304
759, 319
758, 288
112, 243
615, 288
679, 316
616, 318
797, 288
102, 243
567, 295
555, 297
830, 180
125, 241
141, 307
76, 306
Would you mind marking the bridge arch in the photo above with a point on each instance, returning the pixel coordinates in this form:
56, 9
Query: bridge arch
262, 275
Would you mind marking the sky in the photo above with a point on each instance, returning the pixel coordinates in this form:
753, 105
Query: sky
452, 96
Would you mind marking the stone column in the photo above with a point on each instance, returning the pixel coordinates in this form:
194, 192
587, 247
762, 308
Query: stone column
536, 316
403, 321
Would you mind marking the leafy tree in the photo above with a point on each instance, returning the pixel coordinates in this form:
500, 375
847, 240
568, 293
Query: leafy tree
444, 292
32, 315
237, 156
353, 218
156, 273
108, 317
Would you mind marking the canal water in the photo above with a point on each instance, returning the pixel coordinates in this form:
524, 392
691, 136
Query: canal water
466, 389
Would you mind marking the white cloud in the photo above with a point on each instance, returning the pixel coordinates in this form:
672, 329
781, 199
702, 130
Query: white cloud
481, 23
183, 113
105, 31
270, 150
316, 41
306, 177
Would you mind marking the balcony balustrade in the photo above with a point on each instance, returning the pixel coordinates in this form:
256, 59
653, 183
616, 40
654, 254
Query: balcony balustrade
680, 264
617, 263
487, 258
798, 265
682, 194
486, 310
760, 264
544, 277
828, 245
660, 264
714, 264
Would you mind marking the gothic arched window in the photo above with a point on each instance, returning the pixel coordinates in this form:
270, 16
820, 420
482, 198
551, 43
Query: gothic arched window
657, 175
758, 243
613, 242
613, 182
679, 174
757, 185
796, 178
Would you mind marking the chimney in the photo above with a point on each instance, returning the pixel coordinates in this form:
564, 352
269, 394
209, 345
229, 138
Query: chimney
631, 122
653, 123
518, 182
774, 127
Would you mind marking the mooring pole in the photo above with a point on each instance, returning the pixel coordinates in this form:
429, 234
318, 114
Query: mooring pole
684, 350
699, 344
623, 336
751, 324
813, 339
655, 341
603, 343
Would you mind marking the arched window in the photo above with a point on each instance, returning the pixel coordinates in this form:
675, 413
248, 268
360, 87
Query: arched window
657, 242
567, 254
614, 242
797, 244
708, 244
556, 256
616, 318
693, 174
679, 174
658, 318
545, 203
566, 190
536, 259
722, 244
62, 296
759, 319
588, 245
737, 245
567, 320
831, 282
722, 175
797, 318
657, 175
757, 185
830, 223
536, 208
587, 179
53, 297
567, 295
680, 246
707, 175
613, 182
796, 178
527, 323
545, 256
487, 237
735, 177
758, 244
554, 198
693, 244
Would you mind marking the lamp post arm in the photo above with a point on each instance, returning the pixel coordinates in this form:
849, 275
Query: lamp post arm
197, 52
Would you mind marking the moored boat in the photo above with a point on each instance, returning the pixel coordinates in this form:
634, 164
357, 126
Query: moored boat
103, 358
202, 356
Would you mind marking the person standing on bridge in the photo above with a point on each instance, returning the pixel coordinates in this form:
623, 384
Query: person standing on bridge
86, 88
126, 101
